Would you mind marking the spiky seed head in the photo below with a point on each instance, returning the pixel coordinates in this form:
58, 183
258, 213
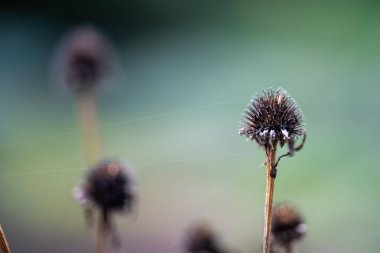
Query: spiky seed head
109, 186
287, 224
201, 239
84, 58
272, 117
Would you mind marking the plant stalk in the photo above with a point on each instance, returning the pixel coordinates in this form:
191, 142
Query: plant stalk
101, 237
289, 248
270, 160
92, 148
88, 121
4, 246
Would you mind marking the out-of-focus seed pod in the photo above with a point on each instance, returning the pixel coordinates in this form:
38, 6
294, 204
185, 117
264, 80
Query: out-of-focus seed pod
201, 239
109, 186
84, 58
288, 226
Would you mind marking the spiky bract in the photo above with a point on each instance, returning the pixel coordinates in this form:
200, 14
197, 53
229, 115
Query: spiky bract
272, 117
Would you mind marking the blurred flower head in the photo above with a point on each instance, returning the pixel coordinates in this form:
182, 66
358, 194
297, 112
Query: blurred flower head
84, 58
287, 224
201, 239
109, 187
272, 117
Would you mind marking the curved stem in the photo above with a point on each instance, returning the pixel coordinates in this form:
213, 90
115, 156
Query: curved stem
298, 148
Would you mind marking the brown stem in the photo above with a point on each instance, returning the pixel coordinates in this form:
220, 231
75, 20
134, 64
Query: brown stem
4, 246
289, 247
101, 237
271, 159
89, 126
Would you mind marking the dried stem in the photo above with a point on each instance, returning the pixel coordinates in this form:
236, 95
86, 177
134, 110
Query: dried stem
4, 246
92, 148
271, 175
289, 247
101, 237
89, 126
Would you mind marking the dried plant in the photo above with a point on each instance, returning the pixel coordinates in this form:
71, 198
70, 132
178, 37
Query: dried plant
273, 118
288, 227
84, 58
108, 188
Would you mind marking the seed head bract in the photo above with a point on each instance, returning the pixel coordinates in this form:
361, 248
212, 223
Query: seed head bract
272, 117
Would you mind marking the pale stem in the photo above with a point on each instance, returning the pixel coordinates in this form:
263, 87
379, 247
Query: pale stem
89, 127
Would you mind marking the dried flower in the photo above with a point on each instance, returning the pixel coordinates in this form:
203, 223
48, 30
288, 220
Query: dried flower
84, 58
201, 239
273, 117
288, 225
109, 187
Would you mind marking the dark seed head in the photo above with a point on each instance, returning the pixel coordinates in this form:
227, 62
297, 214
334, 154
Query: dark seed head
201, 239
109, 187
287, 224
84, 58
272, 117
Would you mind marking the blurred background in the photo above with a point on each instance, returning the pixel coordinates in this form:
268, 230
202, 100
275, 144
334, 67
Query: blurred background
171, 109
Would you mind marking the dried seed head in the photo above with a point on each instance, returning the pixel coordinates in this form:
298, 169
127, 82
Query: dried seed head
84, 58
287, 224
109, 186
201, 239
272, 117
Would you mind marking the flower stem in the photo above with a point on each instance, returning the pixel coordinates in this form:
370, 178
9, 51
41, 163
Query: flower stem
88, 120
4, 246
101, 237
92, 148
289, 247
270, 160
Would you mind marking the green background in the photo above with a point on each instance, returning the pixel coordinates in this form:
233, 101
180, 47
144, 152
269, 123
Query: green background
185, 72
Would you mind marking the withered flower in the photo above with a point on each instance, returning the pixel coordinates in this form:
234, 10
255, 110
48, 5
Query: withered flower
84, 58
109, 187
273, 118
288, 226
201, 239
